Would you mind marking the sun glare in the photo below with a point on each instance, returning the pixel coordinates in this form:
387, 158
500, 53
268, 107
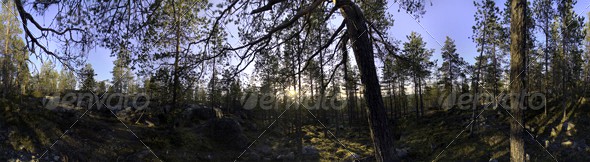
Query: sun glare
292, 92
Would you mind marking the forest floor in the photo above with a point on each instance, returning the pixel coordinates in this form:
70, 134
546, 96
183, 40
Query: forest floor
29, 132
32, 133
444, 135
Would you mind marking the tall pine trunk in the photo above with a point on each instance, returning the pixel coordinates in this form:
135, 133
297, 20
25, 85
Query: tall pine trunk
518, 81
546, 51
176, 81
476, 82
416, 97
420, 95
298, 131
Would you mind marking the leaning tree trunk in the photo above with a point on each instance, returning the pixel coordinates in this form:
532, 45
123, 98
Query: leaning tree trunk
518, 86
363, 51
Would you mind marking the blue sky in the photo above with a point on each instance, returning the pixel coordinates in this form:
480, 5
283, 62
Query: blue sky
452, 18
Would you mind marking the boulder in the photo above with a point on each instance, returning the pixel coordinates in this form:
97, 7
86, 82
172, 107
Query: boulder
402, 153
242, 114
50, 102
226, 131
582, 146
287, 157
310, 151
264, 149
251, 126
126, 114
202, 113
252, 157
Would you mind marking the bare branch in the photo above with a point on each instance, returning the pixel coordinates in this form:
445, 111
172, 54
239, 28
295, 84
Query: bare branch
324, 46
266, 7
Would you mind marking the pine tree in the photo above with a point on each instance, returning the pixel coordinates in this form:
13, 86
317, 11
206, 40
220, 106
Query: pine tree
48, 78
544, 13
14, 72
101, 87
67, 80
173, 28
452, 66
586, 57
488, 34
419, 63
571, 52
122, 74
88, 84
158, 85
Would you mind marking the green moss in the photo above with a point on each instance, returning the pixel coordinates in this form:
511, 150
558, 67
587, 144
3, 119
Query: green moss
21, 142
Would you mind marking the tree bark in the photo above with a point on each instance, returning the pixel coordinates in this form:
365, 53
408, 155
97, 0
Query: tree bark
416, 97
391, 106
476, 83
421, 97
495, 75
363, 51
451, 75
403, 98
299, 123
518, 86
176, 83
546, 51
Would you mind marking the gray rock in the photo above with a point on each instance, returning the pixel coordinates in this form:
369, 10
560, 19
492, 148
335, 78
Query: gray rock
289, 157
226, 131
264, 149
209, 157
402, 153
254, 156
202, 113
310, 151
